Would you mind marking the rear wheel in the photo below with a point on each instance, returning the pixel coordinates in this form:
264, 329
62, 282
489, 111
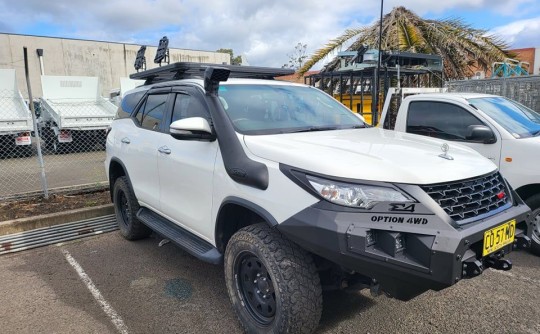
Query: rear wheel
125, 208
272, 283
534, 203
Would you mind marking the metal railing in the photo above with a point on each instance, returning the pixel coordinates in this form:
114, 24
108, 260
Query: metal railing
523, 89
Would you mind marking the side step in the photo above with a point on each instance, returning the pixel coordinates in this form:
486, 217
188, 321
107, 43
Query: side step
186, 240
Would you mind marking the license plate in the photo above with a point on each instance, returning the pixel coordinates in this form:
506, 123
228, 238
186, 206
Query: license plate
498, 237
24, 140
65, 137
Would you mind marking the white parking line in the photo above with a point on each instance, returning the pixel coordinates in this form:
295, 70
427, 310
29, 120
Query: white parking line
105, 306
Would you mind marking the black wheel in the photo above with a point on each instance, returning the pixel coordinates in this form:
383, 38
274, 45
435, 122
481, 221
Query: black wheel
272, 283
534, 203
126, 207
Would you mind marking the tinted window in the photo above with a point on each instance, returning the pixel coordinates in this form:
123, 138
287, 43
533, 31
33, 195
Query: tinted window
439, 120
129, 102
151, 112
186, 106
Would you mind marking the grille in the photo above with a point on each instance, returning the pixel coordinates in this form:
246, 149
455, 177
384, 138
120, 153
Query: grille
471, 198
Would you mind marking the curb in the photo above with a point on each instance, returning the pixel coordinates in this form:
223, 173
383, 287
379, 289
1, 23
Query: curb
51, 219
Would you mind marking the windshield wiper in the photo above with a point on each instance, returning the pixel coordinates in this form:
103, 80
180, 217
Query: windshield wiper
312, 128
536, 133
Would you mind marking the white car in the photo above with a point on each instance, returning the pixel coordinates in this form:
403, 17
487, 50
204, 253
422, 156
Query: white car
500, 129
292, 192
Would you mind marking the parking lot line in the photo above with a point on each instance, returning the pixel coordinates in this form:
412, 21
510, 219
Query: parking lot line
105, 306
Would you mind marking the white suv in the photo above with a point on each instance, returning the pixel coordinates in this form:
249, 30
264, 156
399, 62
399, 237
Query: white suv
293, 193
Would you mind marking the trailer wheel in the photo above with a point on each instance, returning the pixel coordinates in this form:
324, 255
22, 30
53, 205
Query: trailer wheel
534, 203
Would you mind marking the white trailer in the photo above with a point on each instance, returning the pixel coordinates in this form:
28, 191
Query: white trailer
73, 113
126, 84
15, 117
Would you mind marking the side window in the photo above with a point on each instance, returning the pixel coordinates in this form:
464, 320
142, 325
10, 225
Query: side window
186, 106
440, 120
151, 113
129, 102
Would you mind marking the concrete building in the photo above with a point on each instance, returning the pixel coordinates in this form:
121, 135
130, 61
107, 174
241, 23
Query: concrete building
530, 55
107, 60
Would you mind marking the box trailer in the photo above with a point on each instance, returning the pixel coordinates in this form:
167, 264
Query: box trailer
74, 116
15, 117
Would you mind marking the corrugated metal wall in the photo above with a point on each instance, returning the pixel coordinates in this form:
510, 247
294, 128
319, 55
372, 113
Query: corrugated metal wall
525, 89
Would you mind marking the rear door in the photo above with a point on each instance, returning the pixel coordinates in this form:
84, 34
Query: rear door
186, 168
139, 144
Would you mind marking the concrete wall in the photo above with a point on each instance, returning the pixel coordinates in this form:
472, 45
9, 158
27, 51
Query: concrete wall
108, 61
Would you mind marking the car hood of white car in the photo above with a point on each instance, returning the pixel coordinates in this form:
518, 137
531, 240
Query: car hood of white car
371, 154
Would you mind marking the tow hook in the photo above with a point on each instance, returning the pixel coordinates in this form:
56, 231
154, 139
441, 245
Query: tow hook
522, 242
472, 268
499, 264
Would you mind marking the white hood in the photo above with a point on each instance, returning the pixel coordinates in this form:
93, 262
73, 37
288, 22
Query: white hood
371, 154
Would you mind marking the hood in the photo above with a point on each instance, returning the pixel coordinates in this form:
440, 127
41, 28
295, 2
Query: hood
371, 154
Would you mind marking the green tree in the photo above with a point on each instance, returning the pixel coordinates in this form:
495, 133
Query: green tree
462, 47
297, 58
234, 60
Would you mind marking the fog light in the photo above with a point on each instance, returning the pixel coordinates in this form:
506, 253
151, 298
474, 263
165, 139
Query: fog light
400, 245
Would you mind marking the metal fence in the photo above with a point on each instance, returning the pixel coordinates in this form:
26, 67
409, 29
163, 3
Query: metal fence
71, 158
524, 89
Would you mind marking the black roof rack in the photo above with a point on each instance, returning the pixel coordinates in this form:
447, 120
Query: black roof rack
186, 70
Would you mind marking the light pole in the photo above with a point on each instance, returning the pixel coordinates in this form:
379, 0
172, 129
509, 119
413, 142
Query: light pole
378, 71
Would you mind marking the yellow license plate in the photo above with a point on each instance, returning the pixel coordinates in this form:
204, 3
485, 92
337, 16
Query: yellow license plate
498, 237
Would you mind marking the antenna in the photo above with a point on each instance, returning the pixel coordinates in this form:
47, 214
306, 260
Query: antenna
162, 53
140, 60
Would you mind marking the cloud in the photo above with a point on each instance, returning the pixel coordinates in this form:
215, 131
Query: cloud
264, 31
520, 34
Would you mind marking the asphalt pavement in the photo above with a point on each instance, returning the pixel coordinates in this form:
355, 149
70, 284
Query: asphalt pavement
106, 284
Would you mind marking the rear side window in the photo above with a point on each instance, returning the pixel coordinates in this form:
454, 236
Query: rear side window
151, 113
440, 120
129, 102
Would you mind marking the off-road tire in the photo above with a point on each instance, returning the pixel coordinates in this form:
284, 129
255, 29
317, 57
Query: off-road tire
125, 208
534, 203
296, 284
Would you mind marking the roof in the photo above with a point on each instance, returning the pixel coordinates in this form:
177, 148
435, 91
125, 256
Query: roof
453, 95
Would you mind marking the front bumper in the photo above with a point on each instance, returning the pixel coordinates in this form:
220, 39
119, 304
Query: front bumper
434, 255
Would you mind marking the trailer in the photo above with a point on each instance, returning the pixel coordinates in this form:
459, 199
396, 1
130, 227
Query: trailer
15, 118
74, 116
126, 84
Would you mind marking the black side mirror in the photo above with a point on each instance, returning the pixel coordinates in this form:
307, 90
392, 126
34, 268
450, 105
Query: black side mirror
481, 134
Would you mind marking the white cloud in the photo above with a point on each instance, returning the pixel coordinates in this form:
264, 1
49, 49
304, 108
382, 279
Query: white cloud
264, 31
520, 34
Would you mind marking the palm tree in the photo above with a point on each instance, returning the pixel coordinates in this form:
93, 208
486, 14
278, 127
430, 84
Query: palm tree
462, 47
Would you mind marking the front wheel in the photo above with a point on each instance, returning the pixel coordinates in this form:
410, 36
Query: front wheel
534, 203
272, 283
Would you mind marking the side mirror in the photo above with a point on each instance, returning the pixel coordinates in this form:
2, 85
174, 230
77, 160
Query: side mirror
481, 134
193, 128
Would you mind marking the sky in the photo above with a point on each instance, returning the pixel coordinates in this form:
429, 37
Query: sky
264, 32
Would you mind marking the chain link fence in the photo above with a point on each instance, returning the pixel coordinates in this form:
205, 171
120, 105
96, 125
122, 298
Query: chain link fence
71, 135
525, 89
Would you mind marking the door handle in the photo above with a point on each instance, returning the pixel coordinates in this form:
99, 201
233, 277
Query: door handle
125, 140
164, 150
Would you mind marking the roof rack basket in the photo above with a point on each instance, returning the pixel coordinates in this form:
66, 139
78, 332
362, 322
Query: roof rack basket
187, 70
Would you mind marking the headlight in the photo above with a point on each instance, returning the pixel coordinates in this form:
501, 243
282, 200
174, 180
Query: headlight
356, 195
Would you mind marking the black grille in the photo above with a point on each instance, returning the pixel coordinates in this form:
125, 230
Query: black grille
471, 198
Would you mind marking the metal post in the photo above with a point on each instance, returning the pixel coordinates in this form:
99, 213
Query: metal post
36, 132
40, 56
350, 90
376, 78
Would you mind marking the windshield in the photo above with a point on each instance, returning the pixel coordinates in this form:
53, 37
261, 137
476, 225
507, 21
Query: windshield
271, 109
517, 119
